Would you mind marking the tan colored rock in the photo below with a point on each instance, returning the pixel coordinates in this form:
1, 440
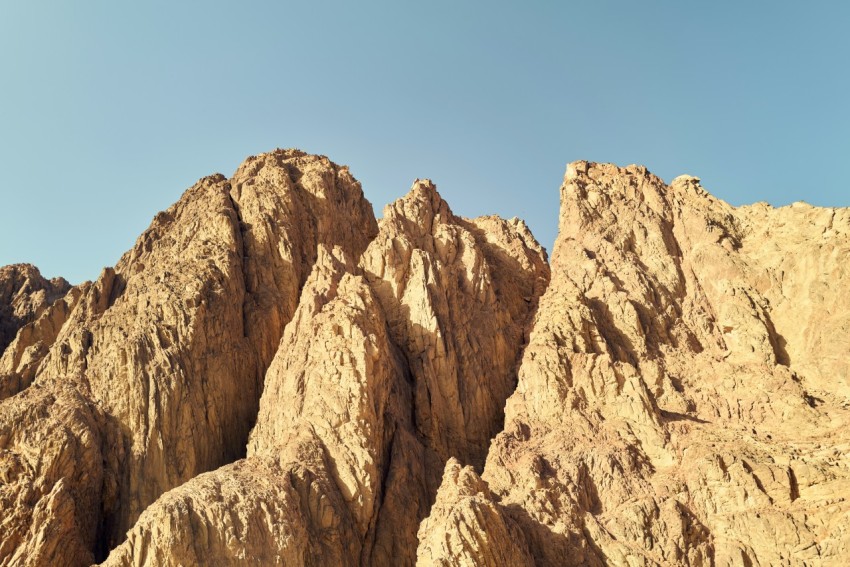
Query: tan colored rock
52, 479
656, 419
24, 295
338, 405
271, 377
174, 341
318, 450
32, 311
457, 294
798, 254
466, 526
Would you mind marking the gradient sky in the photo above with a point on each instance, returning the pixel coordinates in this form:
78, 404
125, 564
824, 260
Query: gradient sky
110, 110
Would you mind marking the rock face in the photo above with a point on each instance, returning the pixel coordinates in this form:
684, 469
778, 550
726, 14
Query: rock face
270, 376
467, 527
51, 476
173, 343
32, 310
24, 296
667, 412
315, 454
382, 357
457, 295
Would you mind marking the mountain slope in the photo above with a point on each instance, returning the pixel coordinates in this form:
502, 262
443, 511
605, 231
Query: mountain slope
271, 376
667, 411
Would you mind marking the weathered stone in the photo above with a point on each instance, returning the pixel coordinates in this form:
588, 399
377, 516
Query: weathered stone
666, 406
270, 376
339, 406
32, 311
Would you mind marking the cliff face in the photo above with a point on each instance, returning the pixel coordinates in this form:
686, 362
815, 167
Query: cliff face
173, 342
390, 365
667, 412
272, 376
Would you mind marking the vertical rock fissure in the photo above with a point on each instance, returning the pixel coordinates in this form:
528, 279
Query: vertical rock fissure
262, 365
243, 258
369, 542
526, 339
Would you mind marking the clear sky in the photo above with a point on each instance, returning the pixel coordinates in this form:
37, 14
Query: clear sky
110, 110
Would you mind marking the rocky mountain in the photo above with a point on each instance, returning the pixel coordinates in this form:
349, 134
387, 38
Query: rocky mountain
273, 376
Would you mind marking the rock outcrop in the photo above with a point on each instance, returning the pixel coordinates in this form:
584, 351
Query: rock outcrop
458, 295
52, 477
660, 415
345, 436
24, 296
173, 342
32, 311
467, 527
316, 453
271, 376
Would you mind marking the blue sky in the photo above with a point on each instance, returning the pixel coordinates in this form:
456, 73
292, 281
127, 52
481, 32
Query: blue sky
109, 110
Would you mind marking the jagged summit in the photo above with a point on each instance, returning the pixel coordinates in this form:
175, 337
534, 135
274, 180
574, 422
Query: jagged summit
422, 203
417, 213
272, 376
24, 295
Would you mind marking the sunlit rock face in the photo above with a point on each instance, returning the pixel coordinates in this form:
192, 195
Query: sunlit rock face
394, 362
32, 309
273, 376
683, 398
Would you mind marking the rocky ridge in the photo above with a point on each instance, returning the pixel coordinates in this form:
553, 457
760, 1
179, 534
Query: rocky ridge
271, 376
664, 415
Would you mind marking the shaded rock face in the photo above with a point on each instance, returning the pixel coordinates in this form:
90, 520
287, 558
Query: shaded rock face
316, 454
458, 295
176, 339
271, 376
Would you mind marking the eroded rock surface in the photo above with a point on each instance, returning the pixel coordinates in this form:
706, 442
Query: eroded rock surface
32, 311
24, 295
665, 411
270, 376
316, 454
467, 527
340, 437
458, 295
52, 478
173, 343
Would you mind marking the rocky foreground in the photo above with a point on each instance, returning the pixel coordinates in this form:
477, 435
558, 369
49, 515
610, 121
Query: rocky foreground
271, 376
